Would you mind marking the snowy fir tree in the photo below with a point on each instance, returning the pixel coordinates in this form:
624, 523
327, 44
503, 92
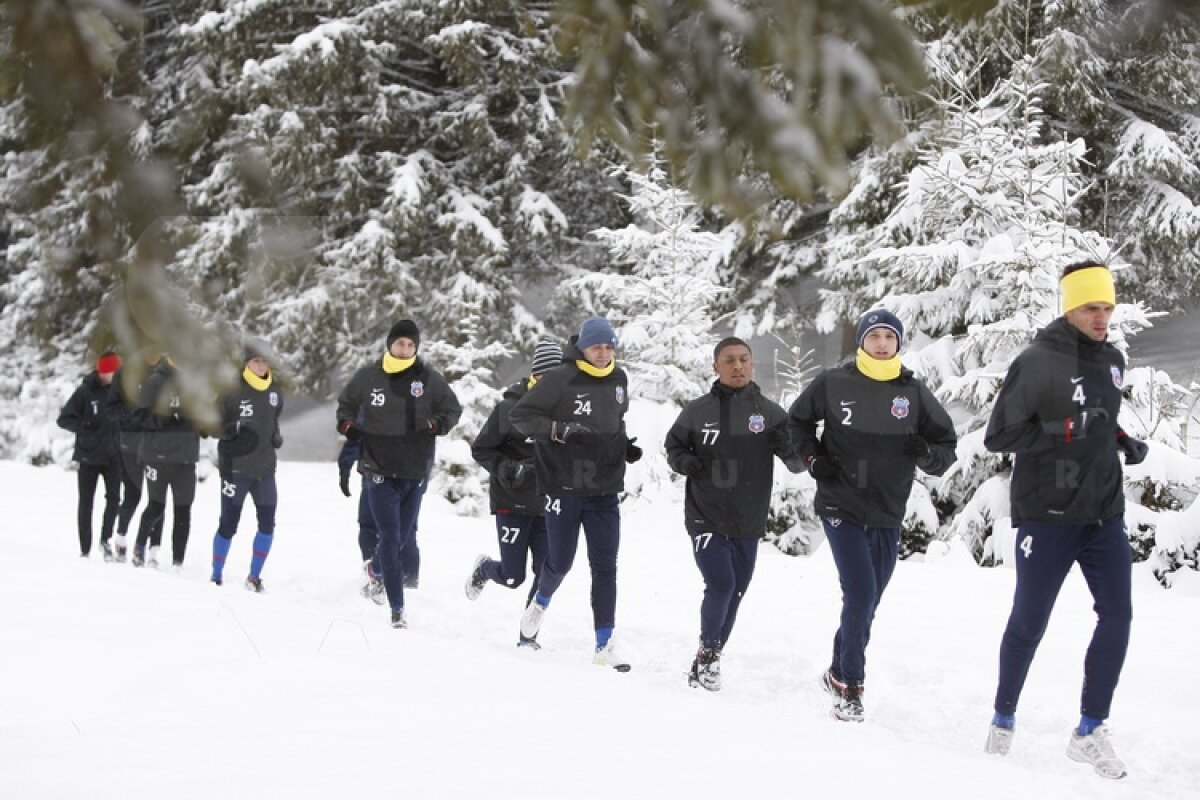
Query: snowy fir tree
969, 258
1120, 76
1124, 73
84, 263
663, 300
455, 475
409, 158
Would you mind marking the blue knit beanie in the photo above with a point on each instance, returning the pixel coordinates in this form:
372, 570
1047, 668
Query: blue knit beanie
879, 318
596, 331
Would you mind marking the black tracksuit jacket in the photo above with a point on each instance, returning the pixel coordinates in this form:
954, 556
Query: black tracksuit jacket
736, 434
95, 422
499, 448
168, 437
866, 424
585, 465
250, 431
1061, 373
392, 412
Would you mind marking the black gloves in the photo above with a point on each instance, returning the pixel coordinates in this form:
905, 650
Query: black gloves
561, 432
348, 429
916, 447
514, 474
1077, 426
692, 466
632, 451
344, 483
823, 468
1135, 450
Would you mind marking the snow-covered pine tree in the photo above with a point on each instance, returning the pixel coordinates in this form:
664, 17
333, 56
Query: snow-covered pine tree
1119, 74
465, 361
349, 162
660, 296
80, 192
969, 259
1125, 73
662, 299
792, 523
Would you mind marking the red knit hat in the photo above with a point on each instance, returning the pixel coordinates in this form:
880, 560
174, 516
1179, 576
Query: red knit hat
108, 363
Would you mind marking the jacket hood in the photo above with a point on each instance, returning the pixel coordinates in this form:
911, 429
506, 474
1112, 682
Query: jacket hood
571, 351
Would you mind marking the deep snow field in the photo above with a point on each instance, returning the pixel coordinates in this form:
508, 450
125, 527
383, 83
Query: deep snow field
137, 683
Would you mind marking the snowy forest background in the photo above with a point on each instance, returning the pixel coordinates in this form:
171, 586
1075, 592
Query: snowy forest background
181, 174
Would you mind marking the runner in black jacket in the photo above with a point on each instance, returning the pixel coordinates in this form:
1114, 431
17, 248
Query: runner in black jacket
726, 443
124, 393
246, 460
95, 423
576, 418
879, 423
1057, 412
170, 448
397, 406
507, 455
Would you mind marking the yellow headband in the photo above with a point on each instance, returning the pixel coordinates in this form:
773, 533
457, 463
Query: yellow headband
1090, 285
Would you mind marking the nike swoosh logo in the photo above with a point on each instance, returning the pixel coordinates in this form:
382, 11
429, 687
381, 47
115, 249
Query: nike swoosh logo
711, 424
581, 396
849, 402
1076, 380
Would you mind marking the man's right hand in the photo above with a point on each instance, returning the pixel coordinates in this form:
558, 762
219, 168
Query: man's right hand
562, 432
823, 468
513, 474
1077, 426
692, 466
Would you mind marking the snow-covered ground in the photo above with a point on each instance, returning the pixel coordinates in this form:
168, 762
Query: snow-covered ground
135, 683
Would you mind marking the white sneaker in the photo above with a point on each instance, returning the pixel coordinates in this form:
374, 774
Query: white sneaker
1096, 749
999, 740
610, 656
531, 620
152, 557
373, 589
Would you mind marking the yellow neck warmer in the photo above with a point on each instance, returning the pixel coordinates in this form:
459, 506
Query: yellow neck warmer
877, 369
596, 372
261, 384
393, 365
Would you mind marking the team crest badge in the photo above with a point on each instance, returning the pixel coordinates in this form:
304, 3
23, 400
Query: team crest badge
900, 407
417, 389
620, 395
273, 399
1118, 378
376, 479
757, 423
